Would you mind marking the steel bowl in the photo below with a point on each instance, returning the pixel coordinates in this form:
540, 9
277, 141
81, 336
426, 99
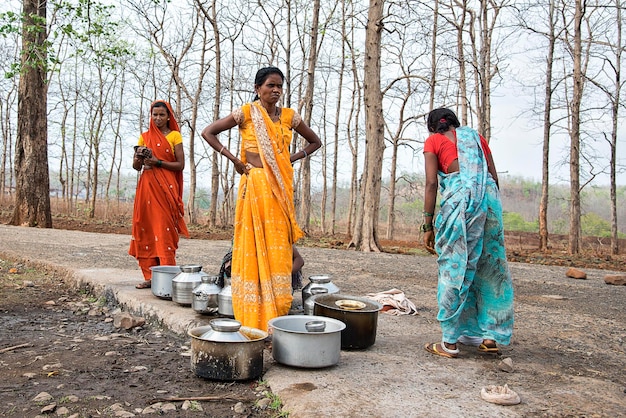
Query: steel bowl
295, 345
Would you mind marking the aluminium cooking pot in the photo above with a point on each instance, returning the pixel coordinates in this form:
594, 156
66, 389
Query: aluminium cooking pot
162, 277
359, 314
227, 360
306, 341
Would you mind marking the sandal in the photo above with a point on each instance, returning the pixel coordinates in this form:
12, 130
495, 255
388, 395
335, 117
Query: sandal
146, 284
490, 348
441, 350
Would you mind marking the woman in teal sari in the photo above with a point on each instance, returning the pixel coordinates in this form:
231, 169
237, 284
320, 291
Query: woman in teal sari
475, 291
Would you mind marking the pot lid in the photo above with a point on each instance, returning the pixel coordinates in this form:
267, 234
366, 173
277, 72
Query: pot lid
224, 330
320, 278
191, 268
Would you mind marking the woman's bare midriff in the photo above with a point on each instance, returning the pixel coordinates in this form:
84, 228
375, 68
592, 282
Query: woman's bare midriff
254, 159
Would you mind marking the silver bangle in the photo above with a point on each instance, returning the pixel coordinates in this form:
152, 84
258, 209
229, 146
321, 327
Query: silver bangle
222, 149
305, 154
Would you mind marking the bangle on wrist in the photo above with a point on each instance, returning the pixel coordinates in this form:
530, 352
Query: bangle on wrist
427, 227
427, 214
305, 154
223, 146
159, 163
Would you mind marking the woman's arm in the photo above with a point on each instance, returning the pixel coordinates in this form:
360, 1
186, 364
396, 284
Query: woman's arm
311, 137
209, 134
430, 199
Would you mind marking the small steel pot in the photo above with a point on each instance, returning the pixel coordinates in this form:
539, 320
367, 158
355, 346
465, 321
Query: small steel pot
162, 280
359, 314
313, 346
227, 360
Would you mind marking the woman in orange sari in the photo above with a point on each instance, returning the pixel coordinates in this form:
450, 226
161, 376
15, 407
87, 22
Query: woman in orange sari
265, 221
158, 214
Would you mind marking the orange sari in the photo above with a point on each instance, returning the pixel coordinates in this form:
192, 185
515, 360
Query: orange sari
265, 224
158, 213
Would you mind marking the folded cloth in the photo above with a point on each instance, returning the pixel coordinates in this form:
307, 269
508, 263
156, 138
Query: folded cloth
394, 302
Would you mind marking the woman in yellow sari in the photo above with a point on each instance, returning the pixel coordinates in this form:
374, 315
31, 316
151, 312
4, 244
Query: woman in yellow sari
265, 221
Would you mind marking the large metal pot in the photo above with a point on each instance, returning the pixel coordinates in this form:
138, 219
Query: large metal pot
359, 314
306, 340
184, 283
227, 360
162, 280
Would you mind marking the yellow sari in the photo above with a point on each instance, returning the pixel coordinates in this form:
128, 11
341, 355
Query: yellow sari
265, 224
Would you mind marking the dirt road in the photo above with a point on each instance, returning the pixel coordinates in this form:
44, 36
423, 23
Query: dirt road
568, 348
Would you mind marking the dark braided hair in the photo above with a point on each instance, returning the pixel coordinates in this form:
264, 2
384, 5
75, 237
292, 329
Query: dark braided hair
441, 119
262, 75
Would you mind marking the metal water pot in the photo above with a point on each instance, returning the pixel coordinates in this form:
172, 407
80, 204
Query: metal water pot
184, 283
225, 299
309, 304
204, 299
317, 281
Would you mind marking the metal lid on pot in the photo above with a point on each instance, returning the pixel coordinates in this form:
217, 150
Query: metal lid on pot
191, 268
321, 278
224, 330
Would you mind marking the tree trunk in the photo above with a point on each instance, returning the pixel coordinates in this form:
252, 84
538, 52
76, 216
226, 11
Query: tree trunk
365, 237
615, 113
305, 167
574, 164
547, 108
32, 181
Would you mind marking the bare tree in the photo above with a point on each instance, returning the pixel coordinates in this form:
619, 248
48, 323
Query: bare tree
32, 181
577, 94
365, 236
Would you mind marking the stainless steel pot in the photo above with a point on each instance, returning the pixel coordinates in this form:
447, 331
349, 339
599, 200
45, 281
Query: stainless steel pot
318, 281
309, 304
225, 299
359, 314
184, 283
313, 346
204, 296
162, 280
224, 360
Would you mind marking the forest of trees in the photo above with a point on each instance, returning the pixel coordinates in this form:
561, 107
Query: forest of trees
79, 76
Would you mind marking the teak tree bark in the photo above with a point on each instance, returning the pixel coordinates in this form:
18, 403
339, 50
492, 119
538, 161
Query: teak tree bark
32, 181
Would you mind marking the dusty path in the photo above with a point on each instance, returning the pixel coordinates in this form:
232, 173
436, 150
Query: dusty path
567, 350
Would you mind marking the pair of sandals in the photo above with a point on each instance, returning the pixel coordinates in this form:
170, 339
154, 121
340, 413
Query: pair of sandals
440, 349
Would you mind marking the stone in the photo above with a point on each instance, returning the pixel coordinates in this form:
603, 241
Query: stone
615, 279
42, 397
574, 273
49, 408
506, 365
239, 408
127, 321
264, 403
62, 411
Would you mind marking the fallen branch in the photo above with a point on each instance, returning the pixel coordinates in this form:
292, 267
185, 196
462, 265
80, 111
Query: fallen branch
203, 398
15, 347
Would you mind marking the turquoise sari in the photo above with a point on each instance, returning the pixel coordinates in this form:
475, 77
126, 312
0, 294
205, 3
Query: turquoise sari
475, 290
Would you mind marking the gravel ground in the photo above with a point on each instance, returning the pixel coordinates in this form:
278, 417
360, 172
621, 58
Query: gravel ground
567, 350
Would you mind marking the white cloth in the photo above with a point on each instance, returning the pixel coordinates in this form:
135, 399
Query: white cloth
395, 300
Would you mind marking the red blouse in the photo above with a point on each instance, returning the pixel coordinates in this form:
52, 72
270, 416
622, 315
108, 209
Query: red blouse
446, 150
